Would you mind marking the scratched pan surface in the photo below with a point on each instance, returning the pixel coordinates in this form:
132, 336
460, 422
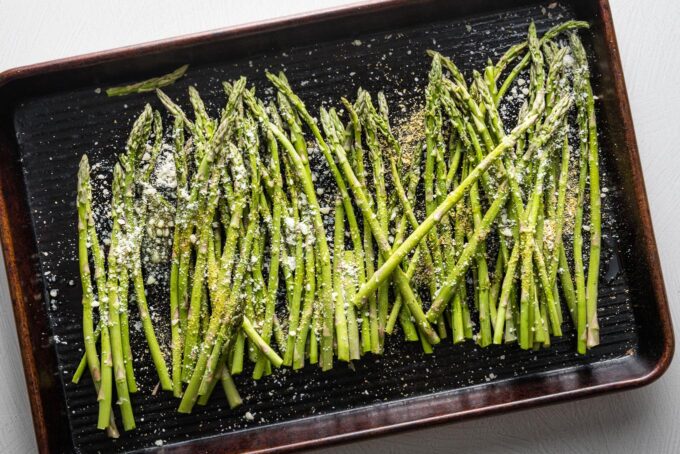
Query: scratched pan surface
53, 129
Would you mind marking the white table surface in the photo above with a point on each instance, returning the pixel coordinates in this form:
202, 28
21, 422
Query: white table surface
639, 421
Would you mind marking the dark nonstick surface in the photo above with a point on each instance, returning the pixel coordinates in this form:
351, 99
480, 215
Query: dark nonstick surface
54, 131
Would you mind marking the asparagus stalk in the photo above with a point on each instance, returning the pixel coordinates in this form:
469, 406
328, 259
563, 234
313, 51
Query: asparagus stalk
88, 300
348, 268
370, 334
432, 128
124, 288
338, 290
119, 369
307, 307
105, 391
483, 283
182, 192
582, 73
295, 297
149, 84
233, 397
275, 245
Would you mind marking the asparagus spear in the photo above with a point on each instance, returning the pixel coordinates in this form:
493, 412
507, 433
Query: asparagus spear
340, 316
585, 91
119, 369
275, 245
349, 271
105, 391
124, 288
149, 84
483, 283
432, 128
295, 296
179, 154
307, 307
84, 226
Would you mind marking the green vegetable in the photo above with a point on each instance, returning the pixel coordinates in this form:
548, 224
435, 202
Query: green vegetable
149, 84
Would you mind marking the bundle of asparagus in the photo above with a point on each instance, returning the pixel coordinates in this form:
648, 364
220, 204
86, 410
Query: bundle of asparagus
498, 223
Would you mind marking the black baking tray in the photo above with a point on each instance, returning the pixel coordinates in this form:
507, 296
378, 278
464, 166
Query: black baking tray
53, 113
